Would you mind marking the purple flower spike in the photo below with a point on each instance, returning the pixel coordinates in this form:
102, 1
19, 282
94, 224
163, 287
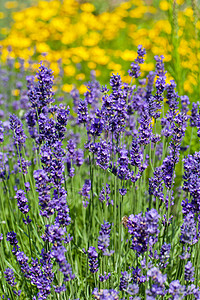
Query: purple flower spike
93, 259
176, 290
9, 276
22, 202
189, 272
1, 132
105, 294
104, 238
16, 126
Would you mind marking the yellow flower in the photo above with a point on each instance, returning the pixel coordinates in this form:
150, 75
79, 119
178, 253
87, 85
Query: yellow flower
91, 65
4, 30
1, 15
82, 89
87, 7
138, 12
11, 4
128, 55
16, 92
69, 70
80, 76
91, 39
126, 78
42, 47
147, 66
67, 87
97, 73
114, 67
198, 25
188, 12
54, 66
164, 5
187, 87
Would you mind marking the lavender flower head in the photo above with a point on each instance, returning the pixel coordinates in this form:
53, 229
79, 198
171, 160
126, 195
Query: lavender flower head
22, 201
9, 276
105, 294
41, 94
188, 230
144, 230
1, 132
18, 132
189, 272
135, 68
93, 259
104, 238
176, 290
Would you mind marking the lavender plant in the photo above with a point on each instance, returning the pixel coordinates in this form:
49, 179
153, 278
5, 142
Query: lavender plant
99, 195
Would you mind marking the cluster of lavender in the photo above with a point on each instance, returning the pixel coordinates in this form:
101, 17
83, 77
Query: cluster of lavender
133, 147
48, 134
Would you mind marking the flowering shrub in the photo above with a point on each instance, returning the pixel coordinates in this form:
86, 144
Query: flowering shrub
101, 200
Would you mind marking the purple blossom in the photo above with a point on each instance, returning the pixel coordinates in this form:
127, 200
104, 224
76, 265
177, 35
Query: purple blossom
103, 155
18, 132
191, 178
76, 98
23, 165
104, 238
93, 94
78, 158
22, 201
85, 192
116, 84
54, 234
11, 238
185, 254
1, 132
157, 288
141, 53
144, 230
104, 195
135, 153
43, 188
176, 290
40, 93
9, 276
122, 191
62, 118
172, 96
96, 127
135, 68
59, 254
93, 259
125, 279
160, 84
83, 112
145, 128
105, 294
137, 276
134, 71
185, 104
59, 289
188, 230
123, 171
104, 277
164, 255
194, 114
189, 272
